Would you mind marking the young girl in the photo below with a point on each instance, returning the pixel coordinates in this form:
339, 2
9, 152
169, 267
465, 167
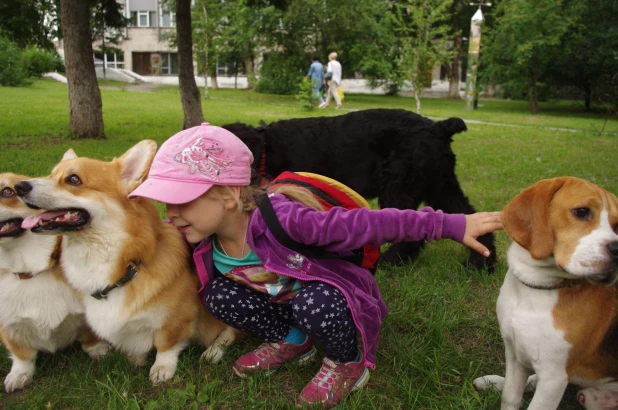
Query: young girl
252, 282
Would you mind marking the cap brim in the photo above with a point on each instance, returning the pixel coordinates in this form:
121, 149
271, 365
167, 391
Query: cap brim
170, 192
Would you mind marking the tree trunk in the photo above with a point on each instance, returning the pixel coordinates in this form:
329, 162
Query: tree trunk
189, 93
587, 97
533, 98
455, 69
250, 72
213, 79
86, 108
417, 97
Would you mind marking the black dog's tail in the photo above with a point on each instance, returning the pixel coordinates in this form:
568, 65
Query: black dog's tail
451, 126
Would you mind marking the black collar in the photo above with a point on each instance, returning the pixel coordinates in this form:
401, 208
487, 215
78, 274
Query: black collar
129, 274
566, 283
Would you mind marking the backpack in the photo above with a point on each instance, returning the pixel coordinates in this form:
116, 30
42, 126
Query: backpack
330, 193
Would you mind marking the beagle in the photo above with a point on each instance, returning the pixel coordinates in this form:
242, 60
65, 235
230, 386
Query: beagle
558, 306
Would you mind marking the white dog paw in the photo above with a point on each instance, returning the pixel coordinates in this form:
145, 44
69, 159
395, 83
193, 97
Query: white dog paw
17, 380
491, 381
161, 373
98, 350
213, 354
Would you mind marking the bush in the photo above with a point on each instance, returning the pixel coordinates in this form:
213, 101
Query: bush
12, 70
38, 62
279, 75
305, 94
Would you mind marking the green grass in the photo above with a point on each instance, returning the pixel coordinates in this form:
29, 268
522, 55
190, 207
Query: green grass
441, 331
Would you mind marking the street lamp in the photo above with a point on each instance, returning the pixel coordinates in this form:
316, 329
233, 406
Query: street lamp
474, 48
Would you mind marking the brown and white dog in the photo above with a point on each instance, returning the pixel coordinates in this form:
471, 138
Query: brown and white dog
558, 306
39, 311
133, 270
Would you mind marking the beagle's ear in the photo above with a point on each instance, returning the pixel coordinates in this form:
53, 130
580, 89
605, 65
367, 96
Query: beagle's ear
526, 217
135, 164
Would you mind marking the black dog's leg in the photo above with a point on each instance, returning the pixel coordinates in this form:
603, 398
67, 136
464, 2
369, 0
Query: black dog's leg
397, 191
402, 253
450, 198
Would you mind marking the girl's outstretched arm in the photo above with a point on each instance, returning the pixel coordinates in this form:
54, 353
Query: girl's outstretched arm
479, 224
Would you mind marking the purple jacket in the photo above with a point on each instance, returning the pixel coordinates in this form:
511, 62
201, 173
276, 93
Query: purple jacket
338, 230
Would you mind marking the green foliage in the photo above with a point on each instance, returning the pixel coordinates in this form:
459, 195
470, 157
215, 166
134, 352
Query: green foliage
13, 73
520, 49
29, 22
37, 61
425, 36
280, 74
305, 94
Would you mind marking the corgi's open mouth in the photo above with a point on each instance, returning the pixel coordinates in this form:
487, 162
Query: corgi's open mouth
57, 220
11, 227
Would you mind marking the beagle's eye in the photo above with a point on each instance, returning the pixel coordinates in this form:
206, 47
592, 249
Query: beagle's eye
7, 192
582, 213
73, 180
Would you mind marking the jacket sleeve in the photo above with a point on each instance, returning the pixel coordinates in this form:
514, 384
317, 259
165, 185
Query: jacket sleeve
341, 230
310, 71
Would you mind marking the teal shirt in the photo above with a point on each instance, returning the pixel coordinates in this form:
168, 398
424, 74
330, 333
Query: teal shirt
225, 263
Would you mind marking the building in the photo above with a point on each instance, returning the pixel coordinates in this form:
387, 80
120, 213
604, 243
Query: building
145, 48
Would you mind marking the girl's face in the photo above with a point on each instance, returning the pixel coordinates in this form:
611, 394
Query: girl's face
202, 217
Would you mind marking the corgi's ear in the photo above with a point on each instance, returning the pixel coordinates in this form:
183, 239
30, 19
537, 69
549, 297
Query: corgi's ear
526, 217
135, 163
70, 154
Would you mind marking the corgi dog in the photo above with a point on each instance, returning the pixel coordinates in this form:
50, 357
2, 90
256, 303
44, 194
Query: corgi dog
39, 311
558, 306
133, 270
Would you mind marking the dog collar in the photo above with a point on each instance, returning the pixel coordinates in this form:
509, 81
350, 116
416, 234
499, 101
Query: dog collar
566, 283
24, 275
129, 274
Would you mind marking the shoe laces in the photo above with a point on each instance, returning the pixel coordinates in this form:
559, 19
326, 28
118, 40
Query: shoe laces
266, 349
327, 375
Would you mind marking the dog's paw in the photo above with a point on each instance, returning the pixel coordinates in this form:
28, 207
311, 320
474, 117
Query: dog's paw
97, 350
593, 398
17, 380
213, 354
160, 373
491, 381
138, 359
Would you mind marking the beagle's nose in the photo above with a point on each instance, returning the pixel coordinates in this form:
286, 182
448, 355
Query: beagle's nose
612, 247
22, 188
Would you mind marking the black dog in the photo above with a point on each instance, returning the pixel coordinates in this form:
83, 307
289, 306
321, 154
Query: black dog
398, 156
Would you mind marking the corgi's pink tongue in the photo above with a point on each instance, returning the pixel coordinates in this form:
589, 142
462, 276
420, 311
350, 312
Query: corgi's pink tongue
32, 221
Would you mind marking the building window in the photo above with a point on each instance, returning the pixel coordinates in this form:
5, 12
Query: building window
111, 60
155, 63
168, 19
144, 18
169, 64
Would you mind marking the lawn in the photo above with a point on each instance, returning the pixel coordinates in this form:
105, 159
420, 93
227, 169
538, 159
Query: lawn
441, 331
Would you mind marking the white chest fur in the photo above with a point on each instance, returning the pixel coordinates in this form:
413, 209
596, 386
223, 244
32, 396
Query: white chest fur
525, 316
132, 333
43, 312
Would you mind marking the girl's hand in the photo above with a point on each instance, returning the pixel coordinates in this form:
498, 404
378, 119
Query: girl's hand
479, 224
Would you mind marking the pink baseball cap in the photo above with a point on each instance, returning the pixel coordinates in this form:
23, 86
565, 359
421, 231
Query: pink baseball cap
192, 161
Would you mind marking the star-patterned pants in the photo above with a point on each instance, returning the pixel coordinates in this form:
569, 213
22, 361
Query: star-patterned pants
320, 310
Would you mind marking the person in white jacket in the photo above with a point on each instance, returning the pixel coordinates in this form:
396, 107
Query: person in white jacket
334, 67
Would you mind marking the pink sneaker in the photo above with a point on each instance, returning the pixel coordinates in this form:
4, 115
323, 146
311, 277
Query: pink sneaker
333, 383
270, 356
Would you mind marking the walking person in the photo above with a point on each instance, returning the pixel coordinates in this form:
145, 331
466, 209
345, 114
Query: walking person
316, 76
253, 283
333, 67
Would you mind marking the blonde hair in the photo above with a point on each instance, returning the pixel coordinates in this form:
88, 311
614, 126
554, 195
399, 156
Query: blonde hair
248, 194
332, 56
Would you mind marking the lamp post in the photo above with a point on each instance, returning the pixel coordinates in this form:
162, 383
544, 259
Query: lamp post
474, 48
